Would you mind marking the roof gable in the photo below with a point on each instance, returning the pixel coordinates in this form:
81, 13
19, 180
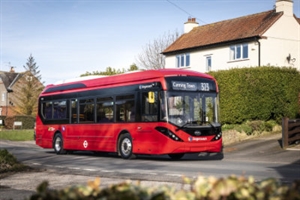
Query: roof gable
225, 31
298, 19
9, 78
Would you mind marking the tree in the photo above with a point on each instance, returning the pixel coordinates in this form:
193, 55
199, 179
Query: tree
32, 67
151, 57
27, 89
111, 71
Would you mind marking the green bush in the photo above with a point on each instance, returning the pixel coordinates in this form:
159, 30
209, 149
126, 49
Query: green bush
27, 121
258, 93
231, 188
245, 128
251, 127
8, 162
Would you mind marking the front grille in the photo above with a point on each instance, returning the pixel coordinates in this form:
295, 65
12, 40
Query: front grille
200, 132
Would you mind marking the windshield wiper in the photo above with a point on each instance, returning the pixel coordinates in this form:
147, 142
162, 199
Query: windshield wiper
185, 124
202, 124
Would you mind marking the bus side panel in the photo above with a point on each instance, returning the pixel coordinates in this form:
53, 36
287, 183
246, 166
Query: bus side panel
44, 134
147, 140
93, 137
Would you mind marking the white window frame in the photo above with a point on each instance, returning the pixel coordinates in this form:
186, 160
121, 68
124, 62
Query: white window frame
208, 64
237, 52
183, 60
3, 97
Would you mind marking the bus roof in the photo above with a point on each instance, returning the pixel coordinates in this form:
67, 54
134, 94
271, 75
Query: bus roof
135, 76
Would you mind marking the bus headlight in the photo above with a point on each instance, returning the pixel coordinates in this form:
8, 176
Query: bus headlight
169, 133
217, 137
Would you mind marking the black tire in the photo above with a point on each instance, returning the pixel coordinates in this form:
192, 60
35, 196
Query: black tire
58, 144
125, 146
176, 156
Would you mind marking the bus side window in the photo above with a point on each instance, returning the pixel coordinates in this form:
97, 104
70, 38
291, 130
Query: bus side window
105, 110
125, 108
86, 110
74, 111
149, 106
60, 109
47, 110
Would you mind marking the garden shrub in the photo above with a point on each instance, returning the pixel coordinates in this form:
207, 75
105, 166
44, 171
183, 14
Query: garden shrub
258, 93
27, 121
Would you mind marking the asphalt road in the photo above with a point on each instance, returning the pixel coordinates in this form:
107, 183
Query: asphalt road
261, 158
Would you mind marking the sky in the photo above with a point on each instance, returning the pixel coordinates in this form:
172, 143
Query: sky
68, 38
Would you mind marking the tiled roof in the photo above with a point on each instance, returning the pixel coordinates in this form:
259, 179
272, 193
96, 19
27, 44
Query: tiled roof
9, 78
298, 19
225, 31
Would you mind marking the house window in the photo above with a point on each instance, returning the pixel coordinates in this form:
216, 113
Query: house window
238, 52
3, 97
187, 60
208, 63
183, 60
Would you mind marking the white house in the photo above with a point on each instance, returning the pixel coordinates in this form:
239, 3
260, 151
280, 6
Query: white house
270, 38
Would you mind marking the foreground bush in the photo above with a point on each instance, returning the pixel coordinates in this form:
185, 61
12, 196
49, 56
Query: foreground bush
9, 163
230, 188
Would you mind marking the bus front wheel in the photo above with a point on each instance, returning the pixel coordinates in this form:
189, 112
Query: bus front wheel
58, 144
125, 146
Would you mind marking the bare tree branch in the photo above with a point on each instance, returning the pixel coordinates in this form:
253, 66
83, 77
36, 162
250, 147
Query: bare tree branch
151, 57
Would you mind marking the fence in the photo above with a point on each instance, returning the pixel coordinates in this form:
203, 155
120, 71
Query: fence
290, 131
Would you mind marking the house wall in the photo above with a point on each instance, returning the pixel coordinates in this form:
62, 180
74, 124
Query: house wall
3, 98
220, 59
283, 39
280, 40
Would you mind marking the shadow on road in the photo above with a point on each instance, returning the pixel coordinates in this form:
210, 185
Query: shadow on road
289, 172
186, 157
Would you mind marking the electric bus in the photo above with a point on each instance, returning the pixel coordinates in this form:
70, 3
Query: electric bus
153, 112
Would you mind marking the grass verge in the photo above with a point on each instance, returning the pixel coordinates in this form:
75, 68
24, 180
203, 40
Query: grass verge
17, 135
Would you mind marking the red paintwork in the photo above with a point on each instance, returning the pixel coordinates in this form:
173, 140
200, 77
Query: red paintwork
104, 137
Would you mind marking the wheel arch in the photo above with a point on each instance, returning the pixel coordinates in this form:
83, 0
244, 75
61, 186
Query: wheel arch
124, 131
54, 135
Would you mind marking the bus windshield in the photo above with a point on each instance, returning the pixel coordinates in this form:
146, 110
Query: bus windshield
194, 108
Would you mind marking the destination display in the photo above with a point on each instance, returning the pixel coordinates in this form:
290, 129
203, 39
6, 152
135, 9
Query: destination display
191, 86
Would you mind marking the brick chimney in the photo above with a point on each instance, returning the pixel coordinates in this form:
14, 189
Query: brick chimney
285, 6
12, 69
190, 24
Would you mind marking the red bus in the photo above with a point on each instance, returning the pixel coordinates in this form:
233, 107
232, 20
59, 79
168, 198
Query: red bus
154, 112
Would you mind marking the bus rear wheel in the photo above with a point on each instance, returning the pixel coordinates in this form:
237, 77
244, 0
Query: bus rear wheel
58, 144
125, 146
176, 156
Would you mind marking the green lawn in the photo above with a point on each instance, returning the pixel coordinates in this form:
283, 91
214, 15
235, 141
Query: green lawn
17, 135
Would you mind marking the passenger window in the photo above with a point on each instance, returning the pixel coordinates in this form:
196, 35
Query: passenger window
125, 108
60, 109
54, 110
86, 111
149, 106
47, 110
74, 107
105, 110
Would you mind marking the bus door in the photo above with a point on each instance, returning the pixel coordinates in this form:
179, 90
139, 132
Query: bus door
149, 116
105, 131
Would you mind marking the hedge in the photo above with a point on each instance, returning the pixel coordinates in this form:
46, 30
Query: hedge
27, 121
230, 188
258, 93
